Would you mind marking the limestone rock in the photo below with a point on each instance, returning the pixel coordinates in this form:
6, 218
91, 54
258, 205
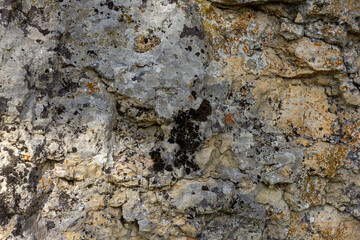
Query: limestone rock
191, 119
291, 31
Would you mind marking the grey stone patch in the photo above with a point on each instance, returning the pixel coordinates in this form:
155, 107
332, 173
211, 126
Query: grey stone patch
291, 31
330, 33
161, 68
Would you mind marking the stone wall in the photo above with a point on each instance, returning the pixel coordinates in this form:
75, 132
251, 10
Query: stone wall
179, 119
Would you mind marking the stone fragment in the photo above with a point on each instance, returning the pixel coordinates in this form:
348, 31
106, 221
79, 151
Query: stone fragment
330, 33
306, 193
319, 56
349, 91
291, 31
299, 18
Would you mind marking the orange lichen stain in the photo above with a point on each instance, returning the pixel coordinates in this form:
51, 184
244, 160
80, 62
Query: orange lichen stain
336, 8
327, 160
191, 98
311, 189
299, 229
331, 233
92, 87
246, 50
296, 227
142, 11
276, 216
27, 157
229, 119
352, 135
330, 62
226, 31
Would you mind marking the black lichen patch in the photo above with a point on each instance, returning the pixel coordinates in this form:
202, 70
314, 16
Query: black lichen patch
202, 112
91, 53
159, 163
64, 200
52, 84
18, 226
5, 212
3, 105
25, 19
50, 225
11, 174
189, 32
34, 176
110, 4
10, 200
63, 51
68, 87
44, 113
186, 135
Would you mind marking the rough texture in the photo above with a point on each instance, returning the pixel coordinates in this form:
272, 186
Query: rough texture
179, 119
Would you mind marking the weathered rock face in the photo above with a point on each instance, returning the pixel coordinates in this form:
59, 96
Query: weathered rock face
179, 119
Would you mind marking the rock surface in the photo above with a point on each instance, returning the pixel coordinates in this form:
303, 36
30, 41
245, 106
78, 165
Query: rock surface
179, 119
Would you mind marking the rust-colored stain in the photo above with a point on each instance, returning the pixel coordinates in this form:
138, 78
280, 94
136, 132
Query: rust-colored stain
27, 157
217, 24
298, 229
92, 87
330, 160
191, 98
229, 119
145, 44
352, 135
